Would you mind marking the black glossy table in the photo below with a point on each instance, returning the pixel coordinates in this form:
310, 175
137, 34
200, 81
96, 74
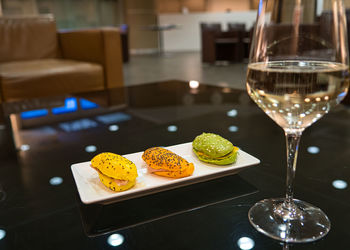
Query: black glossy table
212, 215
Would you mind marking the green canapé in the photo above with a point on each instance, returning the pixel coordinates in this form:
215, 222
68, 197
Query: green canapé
214, 149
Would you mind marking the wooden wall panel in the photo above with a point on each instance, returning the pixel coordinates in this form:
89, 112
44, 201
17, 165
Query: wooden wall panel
168, 6
308, 11
139, 16
223, 5
194, 5
171, 6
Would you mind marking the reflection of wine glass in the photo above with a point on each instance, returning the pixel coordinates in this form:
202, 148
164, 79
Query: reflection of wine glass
298, 70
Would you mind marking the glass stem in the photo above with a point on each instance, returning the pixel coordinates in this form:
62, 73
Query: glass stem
292, 141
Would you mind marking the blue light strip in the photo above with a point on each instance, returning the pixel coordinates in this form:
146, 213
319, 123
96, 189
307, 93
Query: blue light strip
34, 113
86, 104
71, 105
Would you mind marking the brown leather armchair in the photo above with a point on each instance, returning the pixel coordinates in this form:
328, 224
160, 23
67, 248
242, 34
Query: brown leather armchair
36, 60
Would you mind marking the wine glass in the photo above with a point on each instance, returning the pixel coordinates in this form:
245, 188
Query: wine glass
298, 70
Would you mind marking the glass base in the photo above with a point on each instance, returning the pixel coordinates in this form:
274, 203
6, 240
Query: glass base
295, 223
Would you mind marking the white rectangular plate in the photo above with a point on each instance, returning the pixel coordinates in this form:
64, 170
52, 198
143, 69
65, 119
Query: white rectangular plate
91, 190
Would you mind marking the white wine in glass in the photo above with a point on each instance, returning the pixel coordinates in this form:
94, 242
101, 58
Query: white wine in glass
298, 70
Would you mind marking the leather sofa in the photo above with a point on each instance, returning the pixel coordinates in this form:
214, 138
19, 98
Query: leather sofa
37, 60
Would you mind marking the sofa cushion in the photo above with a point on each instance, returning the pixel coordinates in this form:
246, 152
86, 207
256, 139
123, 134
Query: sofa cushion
28, 38
47, 77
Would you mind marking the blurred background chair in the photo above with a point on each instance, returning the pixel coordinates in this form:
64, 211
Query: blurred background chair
245, 35
236, 26
209, 32
232, 43
36, 60
229, 46
220, 45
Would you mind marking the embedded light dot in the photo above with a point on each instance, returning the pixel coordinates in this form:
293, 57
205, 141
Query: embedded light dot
115, 240
245, 243
194, 84
55, 181
24, 147
318, 99
2, 234
233, 128
302, 115
90, 148
307, 100
113, 128
340, 184
172, 128
326, 97
232, 113
313, 150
